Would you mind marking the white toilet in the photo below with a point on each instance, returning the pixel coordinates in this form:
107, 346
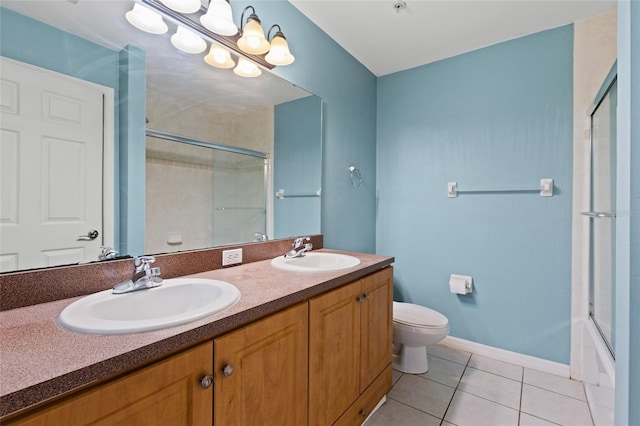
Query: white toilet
415, 327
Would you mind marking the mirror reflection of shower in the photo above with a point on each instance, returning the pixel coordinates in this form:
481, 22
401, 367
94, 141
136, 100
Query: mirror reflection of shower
602, 215
201, 195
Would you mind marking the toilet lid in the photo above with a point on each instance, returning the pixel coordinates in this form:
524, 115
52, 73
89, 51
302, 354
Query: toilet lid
418, 316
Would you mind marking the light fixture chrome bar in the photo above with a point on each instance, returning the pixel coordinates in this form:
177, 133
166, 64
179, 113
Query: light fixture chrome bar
192, 21
190, 141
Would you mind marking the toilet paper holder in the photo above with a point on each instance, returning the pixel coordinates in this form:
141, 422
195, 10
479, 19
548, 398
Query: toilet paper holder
460, 284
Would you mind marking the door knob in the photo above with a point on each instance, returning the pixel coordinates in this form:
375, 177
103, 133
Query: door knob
91, 235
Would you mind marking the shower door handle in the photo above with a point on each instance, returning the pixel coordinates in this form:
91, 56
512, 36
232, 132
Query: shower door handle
599, 215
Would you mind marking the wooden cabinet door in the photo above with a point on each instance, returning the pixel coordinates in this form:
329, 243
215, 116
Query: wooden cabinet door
260, 371
165, 393
376, 325
334, 353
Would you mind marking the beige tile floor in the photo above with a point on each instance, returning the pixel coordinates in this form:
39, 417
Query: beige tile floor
465, 389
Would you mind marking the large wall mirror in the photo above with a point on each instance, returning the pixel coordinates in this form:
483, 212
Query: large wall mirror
112, 137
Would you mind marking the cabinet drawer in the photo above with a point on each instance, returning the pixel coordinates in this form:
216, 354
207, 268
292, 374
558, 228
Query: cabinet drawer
362, 407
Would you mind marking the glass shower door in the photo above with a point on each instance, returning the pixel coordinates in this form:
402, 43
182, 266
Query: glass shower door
603, 225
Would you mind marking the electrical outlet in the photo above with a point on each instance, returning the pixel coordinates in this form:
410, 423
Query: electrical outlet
231, 257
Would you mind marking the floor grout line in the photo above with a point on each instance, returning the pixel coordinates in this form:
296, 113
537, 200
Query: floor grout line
521, 394
557, 393
455, 389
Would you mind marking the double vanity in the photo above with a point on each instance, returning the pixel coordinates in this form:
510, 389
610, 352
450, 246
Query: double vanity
306, 341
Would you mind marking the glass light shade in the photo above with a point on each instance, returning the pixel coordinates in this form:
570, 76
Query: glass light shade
219, 18
279, 53
188, 41
183, 6
252, 40
219, 57
146, 20
246, 69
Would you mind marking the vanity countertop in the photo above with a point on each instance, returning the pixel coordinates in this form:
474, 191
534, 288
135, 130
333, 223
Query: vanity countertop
40, 361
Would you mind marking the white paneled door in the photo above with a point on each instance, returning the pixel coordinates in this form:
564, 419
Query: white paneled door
51, 159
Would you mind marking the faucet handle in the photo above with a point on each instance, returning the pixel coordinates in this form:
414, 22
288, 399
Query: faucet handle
142, 262
300, 241
259, 236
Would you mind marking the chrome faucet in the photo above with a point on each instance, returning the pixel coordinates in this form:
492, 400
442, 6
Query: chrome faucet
107, 253
299, 248
148, 277
259, 236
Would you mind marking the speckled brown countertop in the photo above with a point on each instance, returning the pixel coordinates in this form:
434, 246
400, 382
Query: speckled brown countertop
41, 361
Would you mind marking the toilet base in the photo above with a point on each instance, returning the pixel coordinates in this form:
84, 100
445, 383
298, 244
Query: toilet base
412, 360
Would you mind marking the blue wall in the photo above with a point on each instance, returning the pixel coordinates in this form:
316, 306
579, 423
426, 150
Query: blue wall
348, 92
496, 117
131, 151
30, 41
297, 165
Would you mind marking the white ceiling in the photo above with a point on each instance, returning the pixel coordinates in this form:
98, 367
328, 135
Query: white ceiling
386, 41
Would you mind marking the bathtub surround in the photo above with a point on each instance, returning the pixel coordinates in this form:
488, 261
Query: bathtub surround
496, 117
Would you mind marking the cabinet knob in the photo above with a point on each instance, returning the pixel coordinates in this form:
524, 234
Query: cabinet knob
228, 370
363, 298
362, 412
206, 381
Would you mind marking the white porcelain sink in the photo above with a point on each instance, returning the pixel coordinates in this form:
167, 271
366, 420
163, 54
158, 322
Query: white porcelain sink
176, 301
316, 262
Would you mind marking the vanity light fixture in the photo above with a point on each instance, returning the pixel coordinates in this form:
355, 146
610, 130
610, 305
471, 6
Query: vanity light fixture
246, 69
146, 20
215, 24
252, 40
183, 6
219, 57
188, 41
219, 18
279, 53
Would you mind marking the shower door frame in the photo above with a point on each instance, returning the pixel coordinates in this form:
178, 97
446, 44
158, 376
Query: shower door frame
595, 216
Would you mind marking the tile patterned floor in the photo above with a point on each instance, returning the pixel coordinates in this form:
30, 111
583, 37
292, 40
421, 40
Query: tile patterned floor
464, 389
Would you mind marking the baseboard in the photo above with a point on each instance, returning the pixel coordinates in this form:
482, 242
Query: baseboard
507, 356
376, 408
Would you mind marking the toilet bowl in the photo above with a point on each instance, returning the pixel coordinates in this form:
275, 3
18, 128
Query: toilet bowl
414, 328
